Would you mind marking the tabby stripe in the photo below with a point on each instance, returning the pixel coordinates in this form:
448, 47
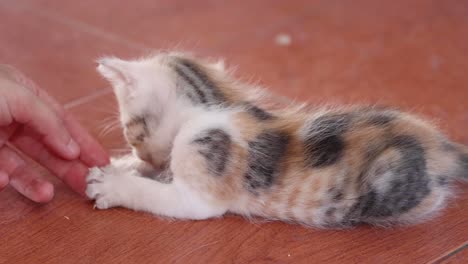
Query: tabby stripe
184, 73
200, 81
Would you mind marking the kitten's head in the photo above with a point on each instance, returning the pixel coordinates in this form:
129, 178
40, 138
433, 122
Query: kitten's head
156, 96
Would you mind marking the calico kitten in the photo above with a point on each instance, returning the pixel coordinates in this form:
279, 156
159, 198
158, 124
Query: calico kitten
218, 150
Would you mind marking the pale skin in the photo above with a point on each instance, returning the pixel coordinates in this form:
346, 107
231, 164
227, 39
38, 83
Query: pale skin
33, 123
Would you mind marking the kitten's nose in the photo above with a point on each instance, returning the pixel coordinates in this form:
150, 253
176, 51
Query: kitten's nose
159, 165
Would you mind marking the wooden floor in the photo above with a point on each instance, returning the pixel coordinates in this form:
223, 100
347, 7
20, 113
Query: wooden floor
411, 54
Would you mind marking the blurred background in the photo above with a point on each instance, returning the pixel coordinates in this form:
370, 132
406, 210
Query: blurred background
407, 53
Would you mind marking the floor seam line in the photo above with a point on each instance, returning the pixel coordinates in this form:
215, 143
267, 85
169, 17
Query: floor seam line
451, 253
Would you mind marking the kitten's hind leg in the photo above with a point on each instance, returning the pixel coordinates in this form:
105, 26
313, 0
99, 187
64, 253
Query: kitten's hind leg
121, 184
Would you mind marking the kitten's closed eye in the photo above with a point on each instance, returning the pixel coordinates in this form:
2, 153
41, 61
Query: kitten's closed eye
136, 131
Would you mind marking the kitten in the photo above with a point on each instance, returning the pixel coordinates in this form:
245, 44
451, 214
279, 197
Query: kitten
218, 150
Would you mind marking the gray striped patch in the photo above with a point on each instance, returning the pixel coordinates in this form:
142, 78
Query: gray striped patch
197, 84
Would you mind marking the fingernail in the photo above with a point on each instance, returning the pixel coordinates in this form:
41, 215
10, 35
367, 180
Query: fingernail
73, 148
76, 177
45, 192
102, 159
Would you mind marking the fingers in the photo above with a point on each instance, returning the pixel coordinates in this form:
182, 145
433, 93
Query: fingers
23, 178
73, 173
25, 108
4, 179
10, 73
92, 153
53, 131
5, 134
26, 181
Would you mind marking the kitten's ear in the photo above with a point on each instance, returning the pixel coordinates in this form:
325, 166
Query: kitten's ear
114, 70
219, 65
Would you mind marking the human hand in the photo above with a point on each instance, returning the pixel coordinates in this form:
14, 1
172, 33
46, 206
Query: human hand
33, 123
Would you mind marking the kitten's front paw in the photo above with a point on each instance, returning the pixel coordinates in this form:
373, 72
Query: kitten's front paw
99, 188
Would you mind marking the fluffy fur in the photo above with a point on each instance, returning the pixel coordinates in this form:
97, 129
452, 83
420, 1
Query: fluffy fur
204, 144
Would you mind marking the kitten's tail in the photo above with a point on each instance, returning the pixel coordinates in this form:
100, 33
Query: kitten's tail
462, 163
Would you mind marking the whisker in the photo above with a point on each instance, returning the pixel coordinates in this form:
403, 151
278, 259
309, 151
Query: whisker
120, 151
109, 124
108, 128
